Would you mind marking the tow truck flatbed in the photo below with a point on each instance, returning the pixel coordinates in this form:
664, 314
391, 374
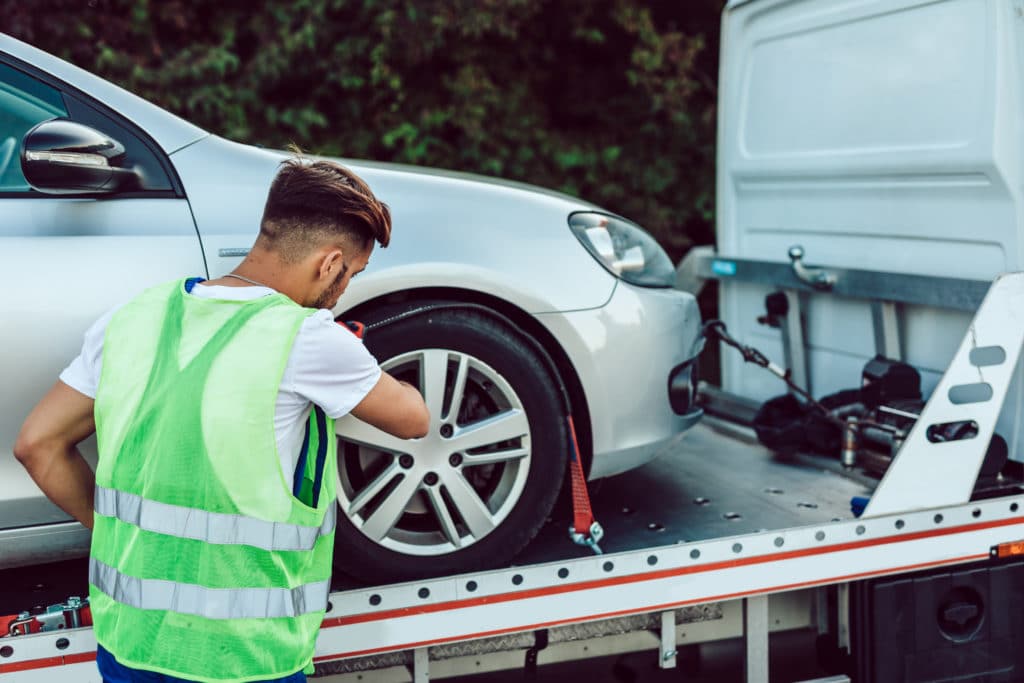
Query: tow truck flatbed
720, 522
715, 482
717, 513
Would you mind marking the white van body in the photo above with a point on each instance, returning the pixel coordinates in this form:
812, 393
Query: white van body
880, 135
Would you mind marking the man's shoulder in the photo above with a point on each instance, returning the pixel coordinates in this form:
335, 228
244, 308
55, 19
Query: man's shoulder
164, 289
148, 297
321, 337
146, 300
320, 325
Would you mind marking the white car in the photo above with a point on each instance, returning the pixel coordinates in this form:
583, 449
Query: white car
502, 302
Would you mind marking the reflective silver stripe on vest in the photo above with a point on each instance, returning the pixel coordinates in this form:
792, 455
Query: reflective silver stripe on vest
211, 527
212, 603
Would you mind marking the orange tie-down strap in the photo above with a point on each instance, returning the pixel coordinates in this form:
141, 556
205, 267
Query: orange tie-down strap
584, 530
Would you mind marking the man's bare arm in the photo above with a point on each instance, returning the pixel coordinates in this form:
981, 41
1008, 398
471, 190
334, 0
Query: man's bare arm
394, 407
48, 448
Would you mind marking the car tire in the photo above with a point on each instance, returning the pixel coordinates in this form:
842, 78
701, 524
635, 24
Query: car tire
507, 393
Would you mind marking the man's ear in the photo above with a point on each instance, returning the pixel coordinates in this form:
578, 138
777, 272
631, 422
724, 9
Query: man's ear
331, 262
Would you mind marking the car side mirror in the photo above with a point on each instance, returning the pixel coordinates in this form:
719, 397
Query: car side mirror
63, 157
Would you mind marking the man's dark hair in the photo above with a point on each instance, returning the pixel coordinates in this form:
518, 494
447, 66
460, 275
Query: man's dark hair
312, 203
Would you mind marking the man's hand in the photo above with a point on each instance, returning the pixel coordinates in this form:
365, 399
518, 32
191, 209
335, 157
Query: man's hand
48, 448
394, 407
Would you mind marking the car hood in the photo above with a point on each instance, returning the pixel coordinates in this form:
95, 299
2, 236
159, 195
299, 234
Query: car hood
451, 229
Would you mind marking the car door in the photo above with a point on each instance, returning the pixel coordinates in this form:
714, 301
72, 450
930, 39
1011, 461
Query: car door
66, 259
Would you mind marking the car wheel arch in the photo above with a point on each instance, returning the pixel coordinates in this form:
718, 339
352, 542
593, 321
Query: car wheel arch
500, 310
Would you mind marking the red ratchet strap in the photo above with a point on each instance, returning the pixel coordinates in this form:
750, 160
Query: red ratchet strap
584, 530
74, 614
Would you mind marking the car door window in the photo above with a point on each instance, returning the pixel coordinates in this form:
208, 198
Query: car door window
24, 102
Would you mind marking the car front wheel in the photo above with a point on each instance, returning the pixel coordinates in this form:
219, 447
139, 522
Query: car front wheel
474, 491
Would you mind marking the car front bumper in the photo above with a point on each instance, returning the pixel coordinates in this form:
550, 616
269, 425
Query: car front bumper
634, 357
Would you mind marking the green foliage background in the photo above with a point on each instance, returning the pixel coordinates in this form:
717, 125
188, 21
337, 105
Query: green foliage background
610, 100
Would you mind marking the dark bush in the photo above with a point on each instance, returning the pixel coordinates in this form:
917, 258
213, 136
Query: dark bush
611, 100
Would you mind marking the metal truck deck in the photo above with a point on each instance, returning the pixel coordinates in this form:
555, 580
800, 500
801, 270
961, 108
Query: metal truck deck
715, 482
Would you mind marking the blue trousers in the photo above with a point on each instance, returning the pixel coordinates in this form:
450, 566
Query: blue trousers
114, 672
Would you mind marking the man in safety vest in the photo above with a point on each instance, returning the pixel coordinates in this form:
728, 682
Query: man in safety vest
213, 503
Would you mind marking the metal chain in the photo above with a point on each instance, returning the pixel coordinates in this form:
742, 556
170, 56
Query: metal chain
245, 279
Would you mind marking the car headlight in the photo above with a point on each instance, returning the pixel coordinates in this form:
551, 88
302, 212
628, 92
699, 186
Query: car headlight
624, 248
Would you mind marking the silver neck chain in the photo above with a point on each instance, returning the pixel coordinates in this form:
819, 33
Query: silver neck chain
245, 279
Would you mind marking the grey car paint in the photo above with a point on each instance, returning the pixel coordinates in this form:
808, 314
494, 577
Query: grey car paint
66, 261
451, 230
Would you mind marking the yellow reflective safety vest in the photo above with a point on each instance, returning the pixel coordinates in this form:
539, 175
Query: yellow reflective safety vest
204, 565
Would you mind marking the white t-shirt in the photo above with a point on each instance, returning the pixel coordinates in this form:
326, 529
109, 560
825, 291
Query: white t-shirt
328, 366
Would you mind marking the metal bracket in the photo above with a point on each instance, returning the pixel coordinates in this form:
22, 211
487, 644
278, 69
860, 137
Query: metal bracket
939, 461
957, 294
668, 651
755, 635
794, 344
540, 642
53, 619
821, 609
421, 665
843, 609
885, 321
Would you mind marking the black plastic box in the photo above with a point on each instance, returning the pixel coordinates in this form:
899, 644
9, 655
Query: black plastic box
960, 624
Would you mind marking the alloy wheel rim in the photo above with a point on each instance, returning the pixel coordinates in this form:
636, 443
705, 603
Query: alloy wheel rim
453, 487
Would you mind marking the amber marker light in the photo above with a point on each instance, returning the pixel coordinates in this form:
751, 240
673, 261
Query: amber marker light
1010, 549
